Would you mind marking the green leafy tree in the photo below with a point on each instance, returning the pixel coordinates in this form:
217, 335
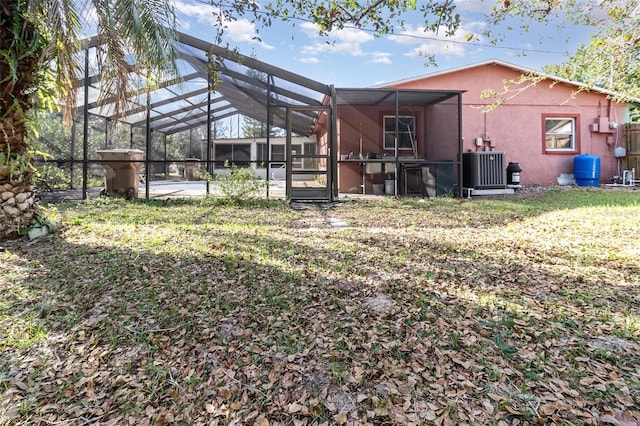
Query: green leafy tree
380, 16
252, 128
610, 60
599, 64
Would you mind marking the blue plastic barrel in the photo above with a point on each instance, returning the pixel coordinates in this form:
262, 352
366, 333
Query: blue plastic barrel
586, 170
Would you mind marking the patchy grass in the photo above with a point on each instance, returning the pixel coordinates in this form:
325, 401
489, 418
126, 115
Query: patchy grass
520, 310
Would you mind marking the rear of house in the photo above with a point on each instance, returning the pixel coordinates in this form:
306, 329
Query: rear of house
540, 124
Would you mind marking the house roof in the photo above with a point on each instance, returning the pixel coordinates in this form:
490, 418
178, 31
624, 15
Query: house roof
243, 85
517, 68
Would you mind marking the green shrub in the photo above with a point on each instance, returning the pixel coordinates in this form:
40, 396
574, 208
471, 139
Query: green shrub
240, 184
49, 177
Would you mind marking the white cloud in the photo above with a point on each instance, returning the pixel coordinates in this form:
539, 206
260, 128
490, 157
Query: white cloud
309, 60
200, 12
419, 35
380, 58
310, 29
346, 41
346, 35
351, 35
436, 49
243, 30
438, 43
239, 31
332, 49
475, 27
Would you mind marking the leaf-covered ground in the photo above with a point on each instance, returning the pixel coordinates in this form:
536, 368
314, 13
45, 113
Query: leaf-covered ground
519, 310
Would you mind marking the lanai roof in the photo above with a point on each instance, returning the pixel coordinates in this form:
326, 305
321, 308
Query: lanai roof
243, 86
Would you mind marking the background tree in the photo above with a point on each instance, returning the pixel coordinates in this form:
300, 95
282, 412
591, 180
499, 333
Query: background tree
611, 59
252, 128
600, 63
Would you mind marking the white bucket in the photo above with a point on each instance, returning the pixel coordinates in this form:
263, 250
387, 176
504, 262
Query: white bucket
390, 187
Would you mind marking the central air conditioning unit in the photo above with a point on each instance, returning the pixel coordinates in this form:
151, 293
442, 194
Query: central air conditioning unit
484, 170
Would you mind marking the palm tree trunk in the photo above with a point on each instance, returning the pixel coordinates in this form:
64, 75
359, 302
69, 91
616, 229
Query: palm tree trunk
17, 195
20, 71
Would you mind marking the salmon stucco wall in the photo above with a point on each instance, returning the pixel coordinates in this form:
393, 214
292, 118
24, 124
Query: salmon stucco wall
516, 124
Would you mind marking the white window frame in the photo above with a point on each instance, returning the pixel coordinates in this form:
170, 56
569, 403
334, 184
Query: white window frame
551, 136
388, 136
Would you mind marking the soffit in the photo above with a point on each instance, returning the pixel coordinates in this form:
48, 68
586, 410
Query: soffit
379, 96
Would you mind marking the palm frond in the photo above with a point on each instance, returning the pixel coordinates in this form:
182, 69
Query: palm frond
143, 30
57, 22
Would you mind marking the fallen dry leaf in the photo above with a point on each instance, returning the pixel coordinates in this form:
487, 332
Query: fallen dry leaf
619, 418
433, 312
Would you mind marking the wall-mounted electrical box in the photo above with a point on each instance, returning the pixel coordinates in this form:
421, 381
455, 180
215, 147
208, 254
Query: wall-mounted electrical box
603, 125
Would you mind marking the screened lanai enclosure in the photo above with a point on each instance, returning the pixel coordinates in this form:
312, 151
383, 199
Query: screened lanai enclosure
227, 111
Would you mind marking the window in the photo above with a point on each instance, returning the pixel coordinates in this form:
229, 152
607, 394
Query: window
277, 152
238, 154
261, 155
560, 134
406, 132
278, 155
296, 162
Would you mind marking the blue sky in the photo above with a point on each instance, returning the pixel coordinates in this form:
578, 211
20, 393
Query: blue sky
355, 58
